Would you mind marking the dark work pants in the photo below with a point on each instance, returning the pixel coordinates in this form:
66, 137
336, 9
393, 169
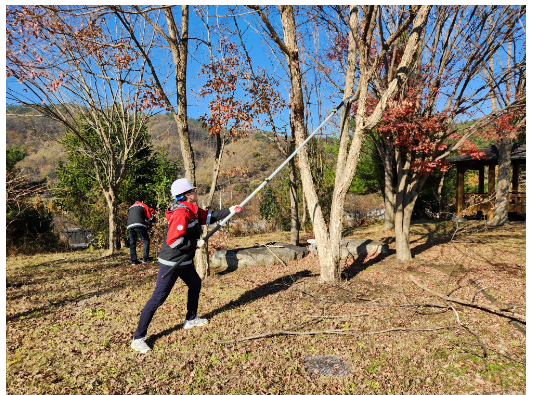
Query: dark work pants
163, 288
143, 233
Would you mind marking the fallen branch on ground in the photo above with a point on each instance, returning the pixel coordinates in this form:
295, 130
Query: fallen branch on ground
466, 327
337, 316
511, 307
491, 309
330, 331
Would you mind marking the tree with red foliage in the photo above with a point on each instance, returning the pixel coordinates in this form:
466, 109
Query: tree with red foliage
415, 136
362, 23
76, 70
236, 101
156, 33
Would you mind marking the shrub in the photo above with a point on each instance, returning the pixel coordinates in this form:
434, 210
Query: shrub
29, 227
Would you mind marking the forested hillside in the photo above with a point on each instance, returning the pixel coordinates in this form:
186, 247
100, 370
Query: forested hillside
41, 136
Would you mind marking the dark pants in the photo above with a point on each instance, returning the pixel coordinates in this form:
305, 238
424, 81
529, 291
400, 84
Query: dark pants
143, 233
163, 287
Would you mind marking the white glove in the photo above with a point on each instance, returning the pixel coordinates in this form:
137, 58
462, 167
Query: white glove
235, 209
200, 243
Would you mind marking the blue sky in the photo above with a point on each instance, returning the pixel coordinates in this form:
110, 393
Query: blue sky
259, 51
261, 57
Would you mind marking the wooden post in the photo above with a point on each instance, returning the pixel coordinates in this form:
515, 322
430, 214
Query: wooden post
481, 178
460, 188
480, 183
491, 178
491, 187
515, 177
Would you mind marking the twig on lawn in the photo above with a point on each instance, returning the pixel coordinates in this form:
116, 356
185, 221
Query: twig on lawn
458, 287
337, 316
410, 304
480, 342
330, 331
476, 293
450, 274
511, 307
491, 309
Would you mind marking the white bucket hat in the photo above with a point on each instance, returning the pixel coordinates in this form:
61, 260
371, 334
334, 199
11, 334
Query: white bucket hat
180, 186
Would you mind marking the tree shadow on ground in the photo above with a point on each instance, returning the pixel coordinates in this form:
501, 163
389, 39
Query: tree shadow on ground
126, 276
359, 265
440, 234
35, 278
51, 308
280, 284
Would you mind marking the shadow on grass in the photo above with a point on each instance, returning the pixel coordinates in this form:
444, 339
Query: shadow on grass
54, 305
358, 266
128, 277
273, 287
436, 235
36, 279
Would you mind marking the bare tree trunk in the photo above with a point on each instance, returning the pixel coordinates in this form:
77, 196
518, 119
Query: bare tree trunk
341, 188
303, 221
389, 195
408, 188
500, 215
440, 188
112, 201
384, 148
180, 64
328, 267
201, 255
293, 193
216, 167
403, 219
294, 203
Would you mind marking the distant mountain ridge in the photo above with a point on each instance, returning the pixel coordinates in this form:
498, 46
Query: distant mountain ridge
41, 136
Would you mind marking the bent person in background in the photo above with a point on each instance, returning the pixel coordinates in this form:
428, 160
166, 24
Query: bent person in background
140, 216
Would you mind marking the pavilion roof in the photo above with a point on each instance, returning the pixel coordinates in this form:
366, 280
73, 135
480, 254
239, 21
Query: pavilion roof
519, 151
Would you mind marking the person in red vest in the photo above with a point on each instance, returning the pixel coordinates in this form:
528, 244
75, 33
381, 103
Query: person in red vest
140, 216
182, 238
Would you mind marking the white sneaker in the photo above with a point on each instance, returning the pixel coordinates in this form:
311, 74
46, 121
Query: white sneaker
140, 345
197, 321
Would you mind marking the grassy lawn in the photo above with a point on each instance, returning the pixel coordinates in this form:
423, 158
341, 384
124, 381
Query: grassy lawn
71, 317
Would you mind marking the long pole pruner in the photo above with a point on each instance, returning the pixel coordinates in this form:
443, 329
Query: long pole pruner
262, 185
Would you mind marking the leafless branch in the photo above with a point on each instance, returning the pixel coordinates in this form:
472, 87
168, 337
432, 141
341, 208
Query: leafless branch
331, 331
503, 312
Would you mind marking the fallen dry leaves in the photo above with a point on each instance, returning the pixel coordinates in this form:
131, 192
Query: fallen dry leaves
70, 319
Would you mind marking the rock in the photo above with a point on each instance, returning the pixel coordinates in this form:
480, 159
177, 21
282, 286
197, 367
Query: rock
362, 247
261, 256
256, 256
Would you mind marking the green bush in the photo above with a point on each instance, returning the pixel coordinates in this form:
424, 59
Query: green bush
268, 204
78, 192
29, 226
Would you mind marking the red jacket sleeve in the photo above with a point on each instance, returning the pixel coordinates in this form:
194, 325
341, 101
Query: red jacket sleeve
202, 216
177, 227
149, 212
206, 217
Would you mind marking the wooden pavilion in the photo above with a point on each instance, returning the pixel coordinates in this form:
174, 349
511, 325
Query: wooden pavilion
483, 202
